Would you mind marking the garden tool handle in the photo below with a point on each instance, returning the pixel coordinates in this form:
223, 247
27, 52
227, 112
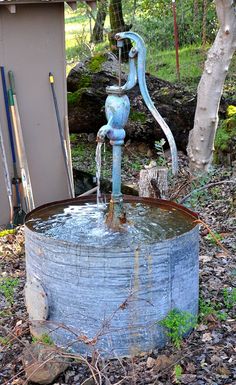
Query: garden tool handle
141, 54
12, 82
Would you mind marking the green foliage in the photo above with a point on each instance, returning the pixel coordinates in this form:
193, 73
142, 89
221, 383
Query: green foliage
161, 160
7, 286
73, 98
229, 297
177, 324
85, 81
136, 165
178, 373
5, 341
207, 307
6, 232
216, 192
213, 239
154, 21
137, 116
96, 62
44, 338
73, 138
78, 151
197, 195
226, 133
221, 315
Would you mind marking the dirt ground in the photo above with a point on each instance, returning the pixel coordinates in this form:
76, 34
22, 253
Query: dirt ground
206, 356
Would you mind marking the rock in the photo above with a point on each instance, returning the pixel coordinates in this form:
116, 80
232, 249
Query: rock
43, 363
150, 362
87, 82
163, 362
188, 378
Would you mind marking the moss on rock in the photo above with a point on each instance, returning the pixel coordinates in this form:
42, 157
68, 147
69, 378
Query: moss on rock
137, 116
95, 64
85, 81
225, 141
74, 97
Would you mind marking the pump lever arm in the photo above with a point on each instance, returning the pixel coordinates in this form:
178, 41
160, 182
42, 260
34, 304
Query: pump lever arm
132, 76
141, 54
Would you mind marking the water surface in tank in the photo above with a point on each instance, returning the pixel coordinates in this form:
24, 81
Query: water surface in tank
85, 223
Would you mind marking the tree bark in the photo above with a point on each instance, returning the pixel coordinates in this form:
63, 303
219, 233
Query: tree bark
204, 21
117, 24
201, 139
97, 35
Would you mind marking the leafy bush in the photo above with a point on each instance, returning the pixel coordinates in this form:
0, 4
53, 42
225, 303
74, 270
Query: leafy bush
177, 324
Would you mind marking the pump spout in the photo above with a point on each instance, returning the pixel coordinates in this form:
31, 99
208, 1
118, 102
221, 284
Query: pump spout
103, 132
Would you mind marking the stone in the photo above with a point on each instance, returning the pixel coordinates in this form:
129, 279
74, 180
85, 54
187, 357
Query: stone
43, 363
150, 362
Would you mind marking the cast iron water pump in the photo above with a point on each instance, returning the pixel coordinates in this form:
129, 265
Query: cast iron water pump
117, 108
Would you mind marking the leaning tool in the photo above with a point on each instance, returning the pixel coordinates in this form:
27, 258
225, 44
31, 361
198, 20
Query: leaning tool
23, 164
19, 214
62, 137
6, 177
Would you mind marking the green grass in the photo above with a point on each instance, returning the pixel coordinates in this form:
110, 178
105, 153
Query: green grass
159, 63
163, 64
7, 288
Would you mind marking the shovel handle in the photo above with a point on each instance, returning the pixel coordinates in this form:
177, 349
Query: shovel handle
12, 82
10, 98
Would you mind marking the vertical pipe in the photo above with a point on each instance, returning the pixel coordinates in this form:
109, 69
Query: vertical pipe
176, 40
116, 172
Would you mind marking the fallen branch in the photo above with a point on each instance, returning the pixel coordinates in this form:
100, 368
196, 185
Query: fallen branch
93, 190
205, 187
199, 221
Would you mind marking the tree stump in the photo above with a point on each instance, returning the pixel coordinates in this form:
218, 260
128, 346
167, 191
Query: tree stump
153, 182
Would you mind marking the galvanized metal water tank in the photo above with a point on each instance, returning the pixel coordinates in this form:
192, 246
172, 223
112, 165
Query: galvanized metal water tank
109, 298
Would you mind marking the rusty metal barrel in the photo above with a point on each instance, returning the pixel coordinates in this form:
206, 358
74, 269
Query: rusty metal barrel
109, 298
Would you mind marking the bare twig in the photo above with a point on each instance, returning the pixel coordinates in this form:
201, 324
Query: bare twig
94, 189
199, 221
205, 187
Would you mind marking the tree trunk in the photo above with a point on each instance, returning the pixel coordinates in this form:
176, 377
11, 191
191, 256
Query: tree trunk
204, 20
195, 12
201, 139
118, 25
97, 35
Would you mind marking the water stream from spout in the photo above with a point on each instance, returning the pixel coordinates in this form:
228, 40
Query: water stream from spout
98, 159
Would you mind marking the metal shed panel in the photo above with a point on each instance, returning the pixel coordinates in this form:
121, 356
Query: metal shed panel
31, 45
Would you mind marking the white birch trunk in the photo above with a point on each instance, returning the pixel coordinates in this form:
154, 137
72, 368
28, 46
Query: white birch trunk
201, 139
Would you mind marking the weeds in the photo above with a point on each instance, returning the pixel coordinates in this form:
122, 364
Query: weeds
206, 308
159, 146
178, 371
214, 237
229, 295
177, 324
7, 286
44, 338
5, 341
73, 138
6, 232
